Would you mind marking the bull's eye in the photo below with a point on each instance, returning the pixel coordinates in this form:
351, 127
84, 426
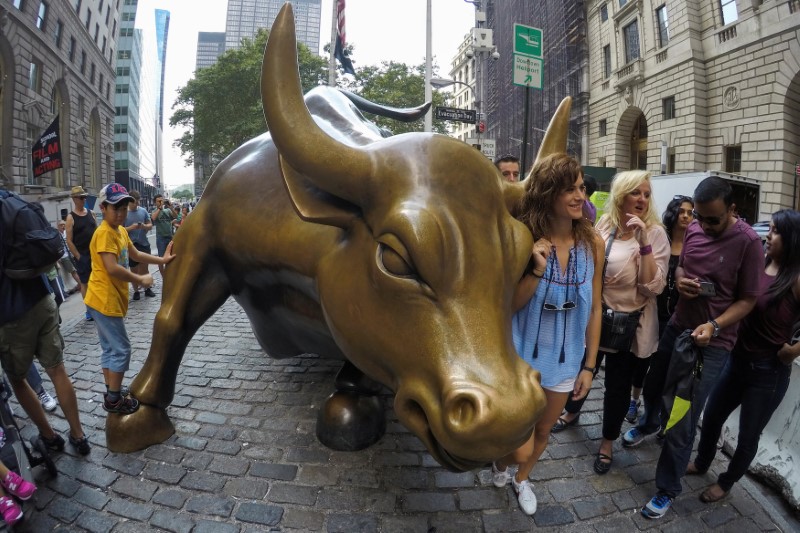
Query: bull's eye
393, 262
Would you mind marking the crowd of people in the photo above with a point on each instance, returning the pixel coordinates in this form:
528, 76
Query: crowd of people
687, 299
102, 254
685, 310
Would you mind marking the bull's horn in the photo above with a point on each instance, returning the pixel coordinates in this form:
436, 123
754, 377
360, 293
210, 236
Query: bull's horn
555, 140
301, 143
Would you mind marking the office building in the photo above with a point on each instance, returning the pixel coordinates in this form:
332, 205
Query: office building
246, 17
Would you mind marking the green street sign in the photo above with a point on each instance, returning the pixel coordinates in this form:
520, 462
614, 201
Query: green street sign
528, 71
527, 40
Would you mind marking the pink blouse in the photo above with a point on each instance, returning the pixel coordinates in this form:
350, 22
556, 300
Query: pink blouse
622, 290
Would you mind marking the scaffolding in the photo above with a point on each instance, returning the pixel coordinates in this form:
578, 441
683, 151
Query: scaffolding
565, 55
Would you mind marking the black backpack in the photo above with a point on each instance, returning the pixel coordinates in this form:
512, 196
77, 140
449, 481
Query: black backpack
31, 246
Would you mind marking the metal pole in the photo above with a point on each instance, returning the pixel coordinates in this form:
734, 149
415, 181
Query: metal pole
526, 117
331, 56
794, 181
428, 62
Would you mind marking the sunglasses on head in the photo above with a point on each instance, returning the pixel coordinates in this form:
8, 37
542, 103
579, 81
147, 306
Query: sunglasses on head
682, 198
711, 221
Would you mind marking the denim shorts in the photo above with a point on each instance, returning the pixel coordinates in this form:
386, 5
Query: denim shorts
116, 355
36, 333
161, 244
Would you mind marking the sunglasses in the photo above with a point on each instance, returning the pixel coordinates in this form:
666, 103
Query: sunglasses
682, 197
711, 221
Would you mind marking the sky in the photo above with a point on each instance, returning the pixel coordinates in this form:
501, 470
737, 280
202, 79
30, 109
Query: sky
380, 30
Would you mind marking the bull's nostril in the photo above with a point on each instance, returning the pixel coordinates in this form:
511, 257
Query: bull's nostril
463, 410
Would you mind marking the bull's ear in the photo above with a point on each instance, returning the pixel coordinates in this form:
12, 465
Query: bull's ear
512, 194
315, 205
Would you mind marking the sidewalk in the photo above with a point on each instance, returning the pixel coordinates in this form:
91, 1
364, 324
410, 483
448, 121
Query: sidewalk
245, 458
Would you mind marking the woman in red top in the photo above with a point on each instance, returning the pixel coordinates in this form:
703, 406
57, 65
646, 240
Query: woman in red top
756, 376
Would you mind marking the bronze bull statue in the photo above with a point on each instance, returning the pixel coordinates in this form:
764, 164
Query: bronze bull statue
399, 255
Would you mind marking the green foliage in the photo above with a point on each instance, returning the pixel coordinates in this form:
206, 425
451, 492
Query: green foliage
397, 85
221, 106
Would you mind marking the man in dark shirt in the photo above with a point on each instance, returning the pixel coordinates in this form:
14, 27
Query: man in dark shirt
718, 281
81, 224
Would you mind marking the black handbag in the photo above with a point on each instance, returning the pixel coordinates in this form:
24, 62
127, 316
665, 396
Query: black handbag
618, 328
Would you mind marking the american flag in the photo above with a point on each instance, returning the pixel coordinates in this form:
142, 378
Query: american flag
347, 65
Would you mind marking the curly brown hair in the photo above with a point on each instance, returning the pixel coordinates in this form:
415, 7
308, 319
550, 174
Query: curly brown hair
549, 177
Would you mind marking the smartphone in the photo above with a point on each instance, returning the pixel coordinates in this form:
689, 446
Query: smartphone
707, 289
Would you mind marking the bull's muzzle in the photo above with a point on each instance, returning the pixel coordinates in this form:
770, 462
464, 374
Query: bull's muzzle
471, 423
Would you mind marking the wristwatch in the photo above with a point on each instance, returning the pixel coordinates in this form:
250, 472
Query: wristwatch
716, 328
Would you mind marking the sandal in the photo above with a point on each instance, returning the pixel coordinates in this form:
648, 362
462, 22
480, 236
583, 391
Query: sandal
562, 423
600, 465
707, 496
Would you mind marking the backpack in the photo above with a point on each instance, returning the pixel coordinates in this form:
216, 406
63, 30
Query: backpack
30, 245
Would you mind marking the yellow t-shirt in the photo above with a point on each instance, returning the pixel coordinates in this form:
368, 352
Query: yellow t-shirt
105, 293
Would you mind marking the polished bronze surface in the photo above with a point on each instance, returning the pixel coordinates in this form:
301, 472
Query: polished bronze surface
399, 255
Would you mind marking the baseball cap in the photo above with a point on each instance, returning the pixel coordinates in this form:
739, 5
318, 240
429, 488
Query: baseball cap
113, 193
78, 192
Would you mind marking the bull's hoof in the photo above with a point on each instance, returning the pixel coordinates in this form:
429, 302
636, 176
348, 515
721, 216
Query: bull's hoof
129, 433
348, 421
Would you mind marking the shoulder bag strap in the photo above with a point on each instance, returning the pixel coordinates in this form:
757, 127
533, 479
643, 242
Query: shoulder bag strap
608, 251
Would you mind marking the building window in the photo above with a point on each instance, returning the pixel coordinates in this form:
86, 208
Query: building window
671, 161
733, 159
729, 12
96, 32
78, 7
124, 54
103, 48
91, 74
604, 13
81, 107
100, 83
58, 33
622, 2
32, 134
41, 18
35, 76
668, 107
607, 61
661, 23
631, 35
88, 18
19, 4
603, 127
71, 52
83, 62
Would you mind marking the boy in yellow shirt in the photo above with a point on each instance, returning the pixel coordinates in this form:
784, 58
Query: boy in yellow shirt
107, 293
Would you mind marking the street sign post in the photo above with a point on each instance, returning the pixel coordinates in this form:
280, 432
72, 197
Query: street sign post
488, 147
527, 40
453, 113
528, 71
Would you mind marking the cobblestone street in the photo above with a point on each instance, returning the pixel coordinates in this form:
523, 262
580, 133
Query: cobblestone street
245, 458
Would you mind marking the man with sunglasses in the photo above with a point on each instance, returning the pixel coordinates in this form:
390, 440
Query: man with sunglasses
718, 281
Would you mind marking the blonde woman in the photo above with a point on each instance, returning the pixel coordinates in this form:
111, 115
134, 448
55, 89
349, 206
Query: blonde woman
638, 259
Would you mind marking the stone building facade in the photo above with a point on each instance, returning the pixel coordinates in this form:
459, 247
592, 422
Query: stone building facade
681, 86
57, 58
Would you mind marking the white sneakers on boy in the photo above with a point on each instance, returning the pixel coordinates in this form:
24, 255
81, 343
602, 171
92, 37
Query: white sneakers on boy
500, 478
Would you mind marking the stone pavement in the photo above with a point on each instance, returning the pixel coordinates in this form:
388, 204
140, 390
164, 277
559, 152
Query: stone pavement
245, 458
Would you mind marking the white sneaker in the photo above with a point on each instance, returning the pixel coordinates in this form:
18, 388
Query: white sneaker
501, 478
48, 402
525, 496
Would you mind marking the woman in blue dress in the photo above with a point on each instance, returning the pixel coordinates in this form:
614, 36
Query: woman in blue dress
556, 328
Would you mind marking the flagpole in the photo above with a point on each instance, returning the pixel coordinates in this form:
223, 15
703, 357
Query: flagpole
331, 58
428, 52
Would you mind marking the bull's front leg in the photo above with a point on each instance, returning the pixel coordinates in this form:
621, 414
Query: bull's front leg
194, 288
352, 418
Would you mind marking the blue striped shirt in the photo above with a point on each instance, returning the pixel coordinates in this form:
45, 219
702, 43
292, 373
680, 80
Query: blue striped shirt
558, 338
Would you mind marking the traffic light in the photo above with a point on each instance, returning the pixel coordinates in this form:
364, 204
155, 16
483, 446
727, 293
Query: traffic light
481, 126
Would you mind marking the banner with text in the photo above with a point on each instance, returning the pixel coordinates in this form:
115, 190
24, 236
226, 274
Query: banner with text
46, 152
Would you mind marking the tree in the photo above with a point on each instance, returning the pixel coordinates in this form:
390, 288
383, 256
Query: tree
221, 106
397, 85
